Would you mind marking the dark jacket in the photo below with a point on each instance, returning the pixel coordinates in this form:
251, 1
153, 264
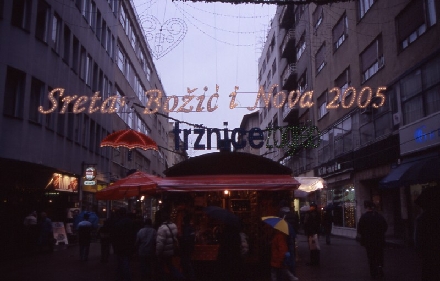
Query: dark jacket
312, 223
372, 227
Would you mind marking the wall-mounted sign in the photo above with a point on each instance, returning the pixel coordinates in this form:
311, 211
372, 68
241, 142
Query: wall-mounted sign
90, 176
62, 182
420, 135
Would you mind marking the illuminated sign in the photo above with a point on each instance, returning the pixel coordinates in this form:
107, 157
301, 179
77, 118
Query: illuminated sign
90, 176
62, 182
346, 99
292, 137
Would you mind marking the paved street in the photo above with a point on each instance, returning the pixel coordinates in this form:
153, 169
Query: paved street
344, 259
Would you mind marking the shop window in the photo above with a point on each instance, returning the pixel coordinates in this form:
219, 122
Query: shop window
344, 212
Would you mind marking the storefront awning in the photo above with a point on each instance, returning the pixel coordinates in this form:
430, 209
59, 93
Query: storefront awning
310, 184
414, 172
229, 182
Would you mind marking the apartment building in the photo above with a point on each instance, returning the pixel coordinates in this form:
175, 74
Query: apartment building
374, 73
83, 50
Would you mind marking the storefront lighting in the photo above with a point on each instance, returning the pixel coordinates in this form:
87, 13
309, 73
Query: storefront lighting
104, 209
226, 192
142, 198
50, 201
160, 201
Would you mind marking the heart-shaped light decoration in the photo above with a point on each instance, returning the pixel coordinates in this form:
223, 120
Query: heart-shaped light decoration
163, 37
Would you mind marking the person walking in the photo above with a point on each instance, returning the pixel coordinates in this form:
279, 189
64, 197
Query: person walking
293, 220
84, 229
30, 232
230, 264
328, 223
312, 225
426, 232
187, 243
166, 233
146, 245
372, 228
280, 258
123, 238
104, 238
45, 238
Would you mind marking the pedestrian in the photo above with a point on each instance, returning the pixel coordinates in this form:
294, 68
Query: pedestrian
104, 238
328, 223
427, 228
187, 244
30, 232
372, 228
84, 229
123, 238
279, 259
146, 245
230, 263
45, 238
165, 250
312, 226
293, 220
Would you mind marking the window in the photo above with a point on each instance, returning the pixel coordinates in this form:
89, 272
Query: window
301, 47
123, 18
66, 51
274, 67
92, 16
36, 99
86, 9
104, 41
320, 58
322, 105
298, 12
417, 17
324, 151
13, 101
420, 92
372, 59
21, 14
56, 32
75, 55
364, 6
344, 198
302, 82
343, 82
121, 59
88, 70
99, 25
42, 24
343, 136
83, 64
318, 15
340, 32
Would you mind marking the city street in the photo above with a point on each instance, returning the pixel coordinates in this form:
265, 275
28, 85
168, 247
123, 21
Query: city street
344, 259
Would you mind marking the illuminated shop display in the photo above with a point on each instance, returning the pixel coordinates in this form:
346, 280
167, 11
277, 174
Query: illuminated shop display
344, 206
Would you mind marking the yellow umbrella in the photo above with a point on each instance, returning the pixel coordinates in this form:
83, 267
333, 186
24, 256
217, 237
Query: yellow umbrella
277, 223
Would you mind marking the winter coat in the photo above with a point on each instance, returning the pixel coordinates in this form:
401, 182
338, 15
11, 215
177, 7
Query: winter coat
278, 249
164, 239
312, 223
372, 227
146, 241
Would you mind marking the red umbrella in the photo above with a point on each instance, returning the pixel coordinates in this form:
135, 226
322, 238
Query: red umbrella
130, 139
136, 184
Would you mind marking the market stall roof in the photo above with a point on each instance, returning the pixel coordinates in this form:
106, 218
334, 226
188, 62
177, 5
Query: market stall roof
262, 182
227, 163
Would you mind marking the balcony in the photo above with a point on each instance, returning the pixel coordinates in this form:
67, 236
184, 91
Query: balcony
288, 77
287, 16
288, 45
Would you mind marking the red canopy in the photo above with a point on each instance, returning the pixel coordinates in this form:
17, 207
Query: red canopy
136, 184
229, 182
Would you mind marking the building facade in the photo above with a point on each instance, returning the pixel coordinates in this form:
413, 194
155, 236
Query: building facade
92, 57
373, 77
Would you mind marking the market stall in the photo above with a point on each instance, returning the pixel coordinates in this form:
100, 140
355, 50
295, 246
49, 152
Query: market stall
249, 186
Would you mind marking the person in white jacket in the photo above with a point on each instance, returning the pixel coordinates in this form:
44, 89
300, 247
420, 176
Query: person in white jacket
166, 233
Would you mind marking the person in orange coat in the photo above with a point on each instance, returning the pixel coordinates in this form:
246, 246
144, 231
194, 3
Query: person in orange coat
279, 254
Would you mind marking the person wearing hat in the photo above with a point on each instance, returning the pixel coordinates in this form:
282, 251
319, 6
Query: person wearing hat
372, 227
312, 225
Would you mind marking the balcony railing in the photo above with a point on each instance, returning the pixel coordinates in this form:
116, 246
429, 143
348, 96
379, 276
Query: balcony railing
288, 38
